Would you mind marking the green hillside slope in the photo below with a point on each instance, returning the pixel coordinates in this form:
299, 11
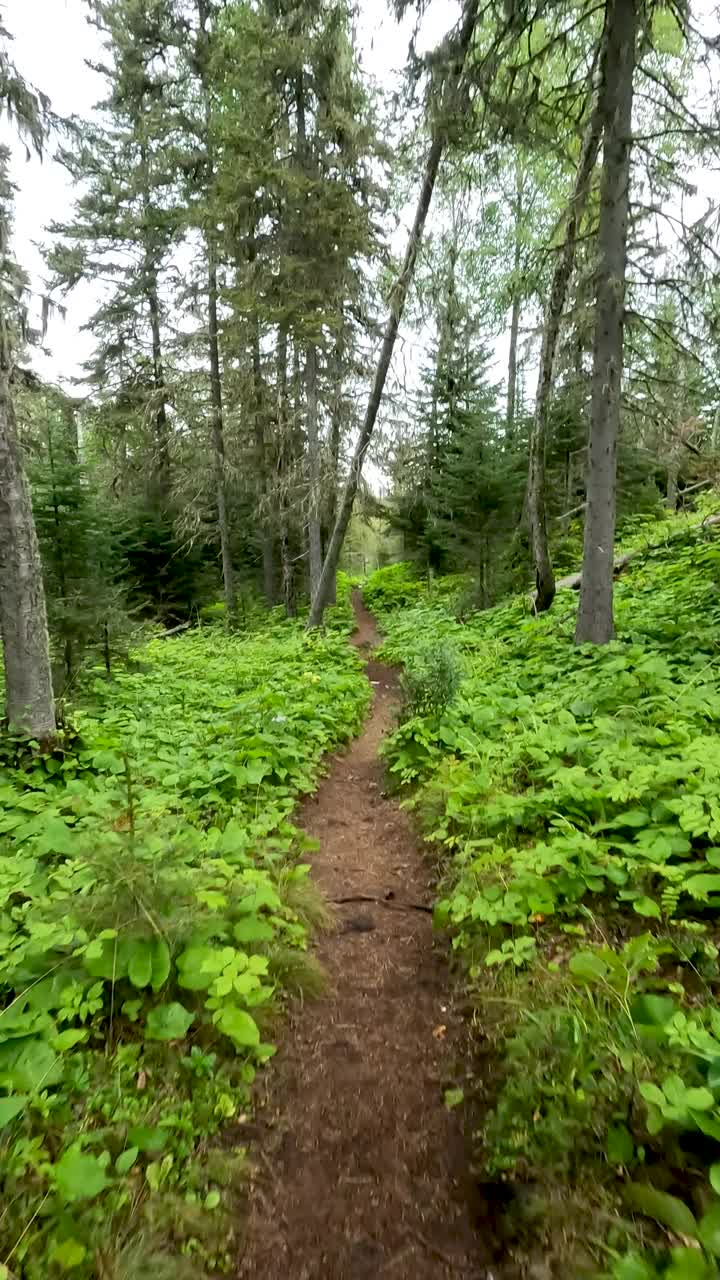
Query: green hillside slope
573, 797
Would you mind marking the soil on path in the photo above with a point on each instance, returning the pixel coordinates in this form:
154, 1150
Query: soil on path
362, 1165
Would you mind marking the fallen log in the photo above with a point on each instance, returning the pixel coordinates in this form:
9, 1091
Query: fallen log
573, 581
171, 631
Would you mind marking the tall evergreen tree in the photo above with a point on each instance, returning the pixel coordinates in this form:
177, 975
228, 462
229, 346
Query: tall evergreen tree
122, 232
443, 108
297, 198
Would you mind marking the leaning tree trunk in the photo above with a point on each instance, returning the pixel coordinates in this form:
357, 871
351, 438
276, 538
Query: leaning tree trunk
564, 263
595, 613
218, 440
392, 324
29, 705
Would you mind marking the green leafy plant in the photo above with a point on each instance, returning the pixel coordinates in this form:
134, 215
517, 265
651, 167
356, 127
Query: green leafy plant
573, 799
431, 681
153, 895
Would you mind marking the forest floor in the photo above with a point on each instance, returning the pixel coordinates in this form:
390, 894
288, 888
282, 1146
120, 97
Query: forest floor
359, 1168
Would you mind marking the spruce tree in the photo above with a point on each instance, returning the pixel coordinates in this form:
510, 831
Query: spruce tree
123, 230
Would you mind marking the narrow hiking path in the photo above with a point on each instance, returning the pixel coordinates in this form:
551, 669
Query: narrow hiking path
361, 1171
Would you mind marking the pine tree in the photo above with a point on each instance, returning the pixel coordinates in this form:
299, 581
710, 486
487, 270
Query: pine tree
461, 497
123, 230
297, 200
450, 73
79, 540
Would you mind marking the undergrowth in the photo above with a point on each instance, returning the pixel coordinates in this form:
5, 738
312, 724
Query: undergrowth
154, 912
573, 796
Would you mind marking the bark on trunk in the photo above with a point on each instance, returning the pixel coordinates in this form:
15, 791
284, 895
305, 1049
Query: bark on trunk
447, 316
68, 655
29, 704
266, 538
573, 581
261, 464
715, 437
162, 431
314, 528
216, 394
514, 317
512, 372
595, 613
335, 432
315, 556
564, 263
673, 447
287, 566
671, 492
218, 440
392, 324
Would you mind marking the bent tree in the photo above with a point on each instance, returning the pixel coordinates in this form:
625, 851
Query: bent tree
595, 612
397, 304
29, 705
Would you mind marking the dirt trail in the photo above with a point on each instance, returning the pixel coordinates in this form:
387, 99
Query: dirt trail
362, 1165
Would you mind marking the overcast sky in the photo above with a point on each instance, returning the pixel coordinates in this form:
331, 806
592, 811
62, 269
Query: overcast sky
51, 46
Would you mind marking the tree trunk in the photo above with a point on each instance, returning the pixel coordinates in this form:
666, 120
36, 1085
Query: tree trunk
446, 321
392, 324
313, 456
216, 395
261, 465
162, 432
218, 439
671, 492
60, 555
674, 446
595, 614
715, 434
29, 704
512, 373
287, 566
266, 538
314, 528
536, 504
514, 316
335, 431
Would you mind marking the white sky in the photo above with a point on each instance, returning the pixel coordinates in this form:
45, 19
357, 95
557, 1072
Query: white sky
52, 42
